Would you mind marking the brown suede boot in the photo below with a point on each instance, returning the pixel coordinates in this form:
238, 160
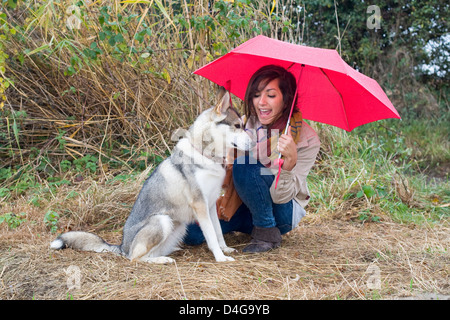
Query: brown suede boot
263, 239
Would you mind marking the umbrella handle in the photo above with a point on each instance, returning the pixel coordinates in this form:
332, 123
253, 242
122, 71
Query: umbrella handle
285, 132
280, 161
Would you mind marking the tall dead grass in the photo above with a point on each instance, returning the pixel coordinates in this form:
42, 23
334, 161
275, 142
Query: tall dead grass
102, 103
83, 93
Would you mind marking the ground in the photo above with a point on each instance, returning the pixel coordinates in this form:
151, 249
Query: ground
323, 258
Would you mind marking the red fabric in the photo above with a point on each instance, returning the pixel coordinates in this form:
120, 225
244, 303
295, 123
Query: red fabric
330, 91
280, 163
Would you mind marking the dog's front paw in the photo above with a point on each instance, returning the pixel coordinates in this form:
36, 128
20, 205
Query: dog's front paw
159, 260
224, 259
228, 250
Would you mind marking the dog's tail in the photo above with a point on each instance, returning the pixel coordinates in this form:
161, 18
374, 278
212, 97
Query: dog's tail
84, 241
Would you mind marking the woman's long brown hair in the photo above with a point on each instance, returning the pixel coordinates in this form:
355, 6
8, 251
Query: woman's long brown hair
261, 78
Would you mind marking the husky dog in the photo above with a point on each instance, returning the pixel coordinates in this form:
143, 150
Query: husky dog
181, 190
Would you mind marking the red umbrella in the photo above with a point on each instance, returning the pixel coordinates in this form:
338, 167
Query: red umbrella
329, 90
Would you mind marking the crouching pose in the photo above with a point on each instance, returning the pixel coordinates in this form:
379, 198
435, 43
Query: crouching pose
251, 203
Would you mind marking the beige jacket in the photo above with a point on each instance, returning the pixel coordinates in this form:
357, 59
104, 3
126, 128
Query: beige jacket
293, 184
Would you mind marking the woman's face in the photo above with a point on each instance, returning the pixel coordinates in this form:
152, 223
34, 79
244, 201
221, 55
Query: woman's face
268, 103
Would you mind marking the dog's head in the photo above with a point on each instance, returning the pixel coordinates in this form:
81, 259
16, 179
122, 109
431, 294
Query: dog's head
228, 124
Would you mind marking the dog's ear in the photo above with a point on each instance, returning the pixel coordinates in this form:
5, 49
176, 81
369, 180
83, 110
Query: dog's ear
224, 101
220, 92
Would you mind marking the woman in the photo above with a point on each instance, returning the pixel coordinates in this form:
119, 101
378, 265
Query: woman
267, 212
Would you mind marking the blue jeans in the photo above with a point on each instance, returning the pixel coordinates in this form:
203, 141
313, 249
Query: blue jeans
257, 209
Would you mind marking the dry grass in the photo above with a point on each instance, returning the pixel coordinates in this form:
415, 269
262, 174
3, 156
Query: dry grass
111, 106
117, 100
326, 257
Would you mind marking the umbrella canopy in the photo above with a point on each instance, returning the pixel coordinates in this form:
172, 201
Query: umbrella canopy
329, 90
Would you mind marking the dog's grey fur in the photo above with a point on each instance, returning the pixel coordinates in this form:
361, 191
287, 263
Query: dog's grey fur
182, 189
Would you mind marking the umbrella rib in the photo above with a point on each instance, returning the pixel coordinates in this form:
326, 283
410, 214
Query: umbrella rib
340, 95
288, 68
